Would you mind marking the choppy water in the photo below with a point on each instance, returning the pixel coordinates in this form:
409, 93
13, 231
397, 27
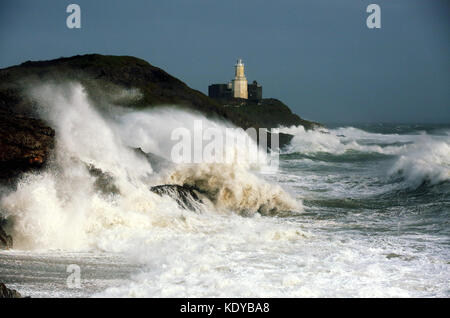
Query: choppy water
381, 195
371, 219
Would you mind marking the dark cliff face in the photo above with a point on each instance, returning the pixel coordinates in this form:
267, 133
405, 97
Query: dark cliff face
25, 144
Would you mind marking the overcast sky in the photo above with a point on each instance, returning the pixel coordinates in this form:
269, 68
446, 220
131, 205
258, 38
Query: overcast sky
317, 56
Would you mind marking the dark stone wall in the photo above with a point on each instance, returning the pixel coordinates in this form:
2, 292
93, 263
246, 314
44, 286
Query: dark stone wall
254, 91
219, 91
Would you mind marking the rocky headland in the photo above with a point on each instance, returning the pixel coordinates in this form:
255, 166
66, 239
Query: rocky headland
26, 141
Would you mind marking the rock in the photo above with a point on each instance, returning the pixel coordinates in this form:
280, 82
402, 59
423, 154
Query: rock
25, 144
185, 196
6, 240
104, 182
8, 293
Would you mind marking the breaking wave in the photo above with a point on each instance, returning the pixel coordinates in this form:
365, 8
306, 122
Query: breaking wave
341, 140
417, 158
95, 194
426, 163
233, 188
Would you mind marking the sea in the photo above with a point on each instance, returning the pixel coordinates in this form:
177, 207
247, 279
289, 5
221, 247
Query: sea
354, 210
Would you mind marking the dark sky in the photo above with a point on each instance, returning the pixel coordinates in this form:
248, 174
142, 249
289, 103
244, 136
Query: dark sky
318, 56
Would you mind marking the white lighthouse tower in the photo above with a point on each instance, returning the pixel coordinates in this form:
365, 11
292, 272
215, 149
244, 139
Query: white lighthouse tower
239, 83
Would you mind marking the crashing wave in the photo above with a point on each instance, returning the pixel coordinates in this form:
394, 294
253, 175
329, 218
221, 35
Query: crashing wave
427, 162
421, 158
341, 140
233, 188
96, 193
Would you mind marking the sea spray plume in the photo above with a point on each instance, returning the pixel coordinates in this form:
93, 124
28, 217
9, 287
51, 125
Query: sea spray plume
83, 132
229, 185
152, 131
62, 207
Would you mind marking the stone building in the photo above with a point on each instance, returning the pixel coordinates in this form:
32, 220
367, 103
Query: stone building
238, 87
220, 91
254, 91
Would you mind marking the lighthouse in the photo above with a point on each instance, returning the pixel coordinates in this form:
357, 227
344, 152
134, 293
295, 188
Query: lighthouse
239, 83
237, 88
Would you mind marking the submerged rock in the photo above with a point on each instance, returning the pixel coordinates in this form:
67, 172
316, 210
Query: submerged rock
8, 293
104, 182
185, 196
158, 163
